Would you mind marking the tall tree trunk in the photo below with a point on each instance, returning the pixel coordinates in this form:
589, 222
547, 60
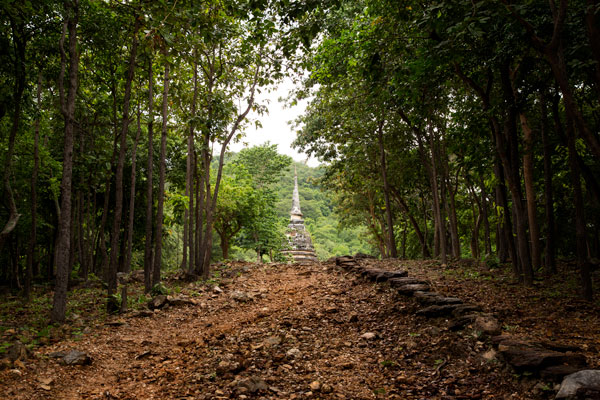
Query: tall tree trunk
34, 177
580, 235
19, 43
393, 252
118, 212
485, 216
161, 180
437, 209
191, 169
528, 168
59, 306
404, 207
148, 250
129, 250
550, 259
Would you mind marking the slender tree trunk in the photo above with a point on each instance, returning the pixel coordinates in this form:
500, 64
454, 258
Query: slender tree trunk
191, 169
393, 252
59, 306
485, 217
34, 177
161, 180
118, 212
550, 259
128, 252
148, 251
528, 168
420, 236
437, 209
19, 43
580, 235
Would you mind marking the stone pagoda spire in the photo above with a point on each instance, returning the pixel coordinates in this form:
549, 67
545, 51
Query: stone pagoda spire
299, 245
296, 213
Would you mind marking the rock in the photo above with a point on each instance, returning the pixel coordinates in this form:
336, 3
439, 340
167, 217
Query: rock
579, 382
76, 357
180, 301
402, 281
157, 302
530, 358
241, 297
463, 309
16, 372
252, 384
142, 313
368, 335
409, 290
326, 388
272, 341
556, 373
217, 289
17, 351
228, 367
353, 317
344, 260
293, 353
462, 321
489, 355
438, 300
315, 386
331, 309
438, 311
487, 325
116, 322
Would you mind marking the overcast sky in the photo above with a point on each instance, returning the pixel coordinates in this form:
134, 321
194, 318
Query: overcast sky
275, 127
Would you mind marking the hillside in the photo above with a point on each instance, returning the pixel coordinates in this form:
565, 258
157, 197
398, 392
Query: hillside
320, 219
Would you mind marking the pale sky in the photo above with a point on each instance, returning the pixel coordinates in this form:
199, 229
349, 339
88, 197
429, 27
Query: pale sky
275, 127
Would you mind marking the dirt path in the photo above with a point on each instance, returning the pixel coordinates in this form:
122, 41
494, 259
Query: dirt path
303, 325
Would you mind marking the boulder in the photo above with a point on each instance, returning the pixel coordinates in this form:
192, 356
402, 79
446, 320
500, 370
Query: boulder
463, 309
241, 297
487, 325
579, 382
556, 373
252, 384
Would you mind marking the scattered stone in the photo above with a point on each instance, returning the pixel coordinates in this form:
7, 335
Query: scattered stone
331, 309
315, 386
241, 297
76, 357
228, 367
368, 335
410, 289
326, 388
116, 322
16, 372
17, 351
142, 313
402, 281
462, 321
556, 373
487, 325
490, 355
438, 300
579, 382
293, 353
272, 341
463, 309
180, 301
438, 311
534, 359
157, 302
217, 289
252, 384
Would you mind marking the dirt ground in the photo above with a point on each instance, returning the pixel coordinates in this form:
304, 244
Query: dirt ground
308, 332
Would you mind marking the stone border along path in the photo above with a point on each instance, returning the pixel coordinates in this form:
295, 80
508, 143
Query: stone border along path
548, 361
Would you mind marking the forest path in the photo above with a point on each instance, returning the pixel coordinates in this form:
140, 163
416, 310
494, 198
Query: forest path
304, 324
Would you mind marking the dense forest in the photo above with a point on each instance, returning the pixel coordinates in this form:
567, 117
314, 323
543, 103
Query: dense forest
463, 129
448, 130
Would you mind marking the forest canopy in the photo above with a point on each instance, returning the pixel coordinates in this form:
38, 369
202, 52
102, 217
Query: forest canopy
447, 129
